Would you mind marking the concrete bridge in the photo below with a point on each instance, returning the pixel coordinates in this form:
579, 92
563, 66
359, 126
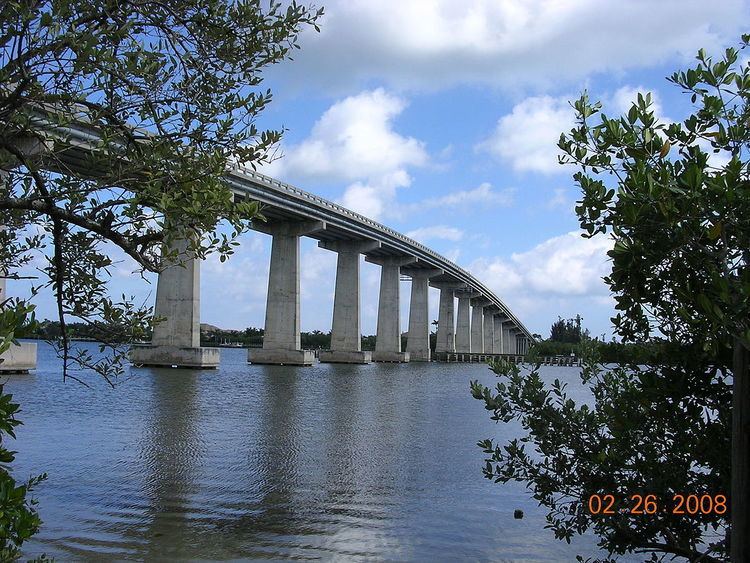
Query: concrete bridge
480, 323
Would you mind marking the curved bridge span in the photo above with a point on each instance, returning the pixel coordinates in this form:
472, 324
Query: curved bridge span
481, 324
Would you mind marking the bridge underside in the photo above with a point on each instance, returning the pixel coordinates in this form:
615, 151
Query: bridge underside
480, 328
480, 324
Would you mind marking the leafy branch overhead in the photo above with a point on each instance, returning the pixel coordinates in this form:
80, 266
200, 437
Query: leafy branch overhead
675, 199
171, 92
679, 209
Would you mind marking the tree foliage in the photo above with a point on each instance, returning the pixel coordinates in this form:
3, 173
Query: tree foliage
19, 519
169, 94
675, 198
568, 330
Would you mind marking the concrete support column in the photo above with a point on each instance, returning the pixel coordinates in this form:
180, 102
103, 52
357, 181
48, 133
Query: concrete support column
346, 333
19, 357
178, 301
176, 339
477, 324
463, 324
489, 331
446, 332
388, 340
497, 342
509, 336
418, 341
281, 339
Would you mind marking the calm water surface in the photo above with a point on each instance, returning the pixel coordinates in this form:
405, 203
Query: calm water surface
326, 462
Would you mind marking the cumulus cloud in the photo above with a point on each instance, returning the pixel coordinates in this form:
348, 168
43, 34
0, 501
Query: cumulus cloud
425, 234
527, 137
353, 139
373, 198
626, 96
565, 265
561, 276
483, 194
430, 45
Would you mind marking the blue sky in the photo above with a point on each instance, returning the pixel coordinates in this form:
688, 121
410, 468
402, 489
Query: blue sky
440, 119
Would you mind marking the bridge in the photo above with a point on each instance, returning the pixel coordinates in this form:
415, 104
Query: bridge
481, 323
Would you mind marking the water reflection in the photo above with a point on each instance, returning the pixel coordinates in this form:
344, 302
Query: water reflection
170, 452
354, 462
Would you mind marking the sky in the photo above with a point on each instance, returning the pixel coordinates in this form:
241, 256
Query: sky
440, 119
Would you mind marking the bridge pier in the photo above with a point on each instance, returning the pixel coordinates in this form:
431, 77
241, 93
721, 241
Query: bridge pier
498, 334
19, 357
463, 323
346, 332
418, 341
388, 340
281, 340
446, 332
176, 340
508, 336
489, 331
477, 324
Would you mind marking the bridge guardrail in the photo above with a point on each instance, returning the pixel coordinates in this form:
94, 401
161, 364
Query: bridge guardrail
82, 135
290, 189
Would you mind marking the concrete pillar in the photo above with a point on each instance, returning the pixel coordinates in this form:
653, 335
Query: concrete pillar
508, 338
281, 339
19, 357
446, 332
497, 341
346, 333
463, 323
176, 339
178, 301
388, 340
477, 324
489, 331
418, 340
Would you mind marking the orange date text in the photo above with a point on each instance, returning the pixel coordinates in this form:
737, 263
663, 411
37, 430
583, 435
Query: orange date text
681, 504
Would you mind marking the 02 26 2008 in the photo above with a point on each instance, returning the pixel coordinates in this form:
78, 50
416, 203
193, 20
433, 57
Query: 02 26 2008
689, 505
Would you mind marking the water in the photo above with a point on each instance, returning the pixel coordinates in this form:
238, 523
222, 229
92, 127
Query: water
325, 462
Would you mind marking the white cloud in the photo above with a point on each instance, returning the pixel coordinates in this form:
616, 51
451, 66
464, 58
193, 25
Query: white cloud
375, 197
441, 43
565, 265
353, 139
424, 234
527, 137
559, 200
561, 276
626, 96
482, 195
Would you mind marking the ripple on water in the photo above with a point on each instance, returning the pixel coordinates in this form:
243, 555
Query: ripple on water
332, 462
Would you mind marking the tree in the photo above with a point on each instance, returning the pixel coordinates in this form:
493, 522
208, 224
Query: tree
675, 198
568, 330
19, 519
169, 91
